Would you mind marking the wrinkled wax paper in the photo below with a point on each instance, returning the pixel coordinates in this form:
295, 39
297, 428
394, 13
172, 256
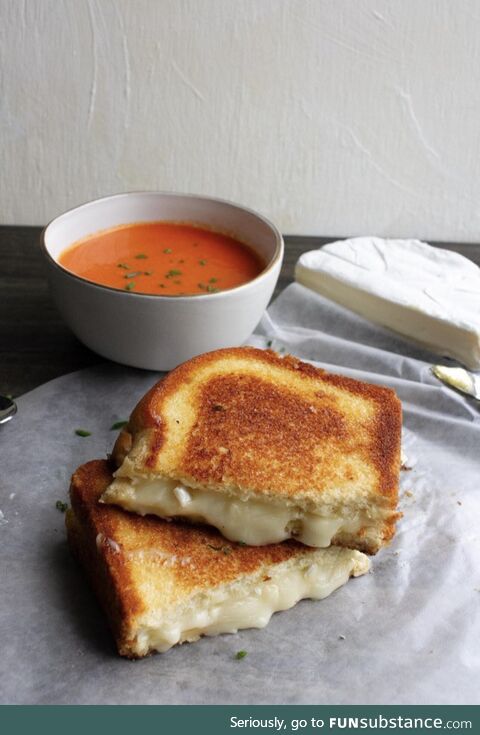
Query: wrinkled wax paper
408, 632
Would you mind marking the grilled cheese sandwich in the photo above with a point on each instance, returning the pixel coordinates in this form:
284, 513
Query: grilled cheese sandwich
264, 448
165, 583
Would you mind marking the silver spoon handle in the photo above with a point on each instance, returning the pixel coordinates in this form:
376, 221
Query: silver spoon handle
8, 409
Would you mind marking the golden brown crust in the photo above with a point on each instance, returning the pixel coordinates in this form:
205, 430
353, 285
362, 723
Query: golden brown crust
89, 527
138, 563
269, 424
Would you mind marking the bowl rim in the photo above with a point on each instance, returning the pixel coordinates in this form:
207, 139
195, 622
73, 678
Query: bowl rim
276, 257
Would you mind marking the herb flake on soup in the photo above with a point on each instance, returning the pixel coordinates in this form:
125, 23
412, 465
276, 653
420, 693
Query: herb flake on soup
164, 258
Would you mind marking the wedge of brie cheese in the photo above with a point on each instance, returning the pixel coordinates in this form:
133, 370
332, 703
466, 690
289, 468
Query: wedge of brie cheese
425, 293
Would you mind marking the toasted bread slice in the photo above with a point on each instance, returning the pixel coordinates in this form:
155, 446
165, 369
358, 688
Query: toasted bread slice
264, 448
164, 583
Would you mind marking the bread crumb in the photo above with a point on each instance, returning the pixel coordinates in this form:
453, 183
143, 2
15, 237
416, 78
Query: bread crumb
409, 493
341, 637
459, 502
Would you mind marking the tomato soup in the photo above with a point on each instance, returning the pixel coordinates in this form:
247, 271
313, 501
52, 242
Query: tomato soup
162, 258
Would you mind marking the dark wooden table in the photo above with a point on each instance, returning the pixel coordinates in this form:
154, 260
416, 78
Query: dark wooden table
35, 344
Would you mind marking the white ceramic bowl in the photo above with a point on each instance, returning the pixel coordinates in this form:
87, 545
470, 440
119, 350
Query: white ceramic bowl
159, 332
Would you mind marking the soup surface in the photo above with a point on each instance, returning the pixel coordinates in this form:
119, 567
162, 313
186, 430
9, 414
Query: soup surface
162, 258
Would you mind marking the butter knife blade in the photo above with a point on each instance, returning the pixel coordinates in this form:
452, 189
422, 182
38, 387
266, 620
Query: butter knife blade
458, 378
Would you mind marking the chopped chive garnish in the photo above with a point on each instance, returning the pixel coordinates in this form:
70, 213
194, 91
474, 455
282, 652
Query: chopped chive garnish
118, 425
133, 274
213, 280
167, 250
241, 543
172, 273
202, 262
269, 343
241, 654
141, 256
123, 265
61, 506
129, 286
212, 289
82, 432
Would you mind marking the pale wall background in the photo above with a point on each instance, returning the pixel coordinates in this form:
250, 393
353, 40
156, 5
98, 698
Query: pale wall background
331, 116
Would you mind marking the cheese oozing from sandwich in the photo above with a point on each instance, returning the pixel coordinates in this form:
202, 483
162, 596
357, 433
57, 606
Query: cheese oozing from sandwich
164, 583
253, 521
251, 602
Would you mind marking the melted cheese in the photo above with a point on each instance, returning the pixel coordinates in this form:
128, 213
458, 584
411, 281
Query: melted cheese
254, 522
228, 610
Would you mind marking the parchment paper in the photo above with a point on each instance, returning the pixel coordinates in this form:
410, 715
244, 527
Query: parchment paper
411, 627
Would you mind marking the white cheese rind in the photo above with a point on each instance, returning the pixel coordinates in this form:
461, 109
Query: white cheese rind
422, 292
252, 521
252, 603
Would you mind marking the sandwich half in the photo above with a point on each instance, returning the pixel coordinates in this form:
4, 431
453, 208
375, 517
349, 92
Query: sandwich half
164, 583
264, 448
